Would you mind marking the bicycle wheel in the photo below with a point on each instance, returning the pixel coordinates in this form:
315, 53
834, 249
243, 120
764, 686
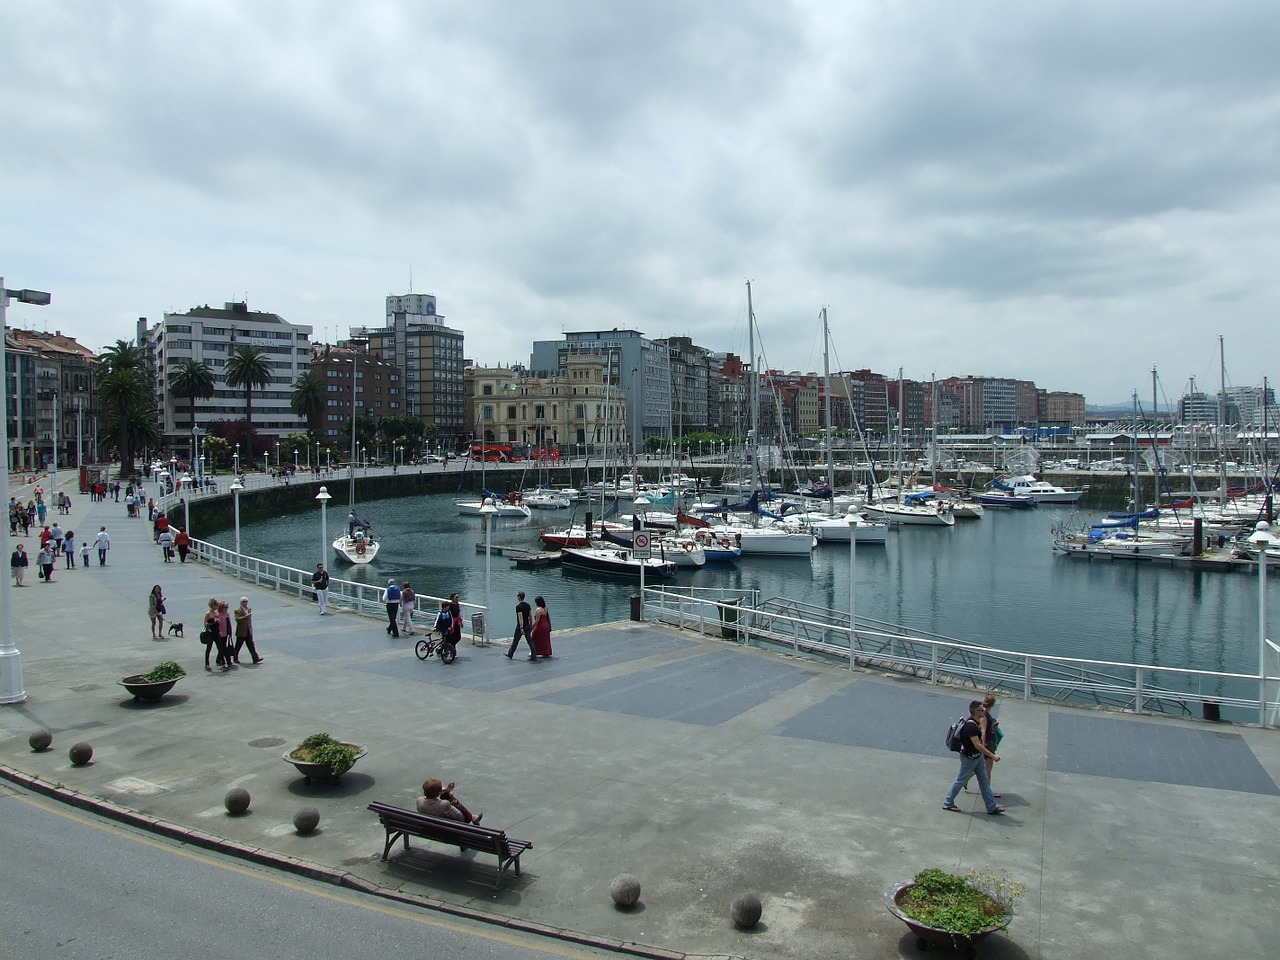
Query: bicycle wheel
448, 652
423, 650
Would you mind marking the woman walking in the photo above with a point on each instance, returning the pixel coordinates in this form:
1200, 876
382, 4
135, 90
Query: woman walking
541, 634
991, 732
209, 635
156, 612
224, 634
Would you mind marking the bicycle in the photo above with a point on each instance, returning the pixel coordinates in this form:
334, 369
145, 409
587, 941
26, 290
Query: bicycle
433, 645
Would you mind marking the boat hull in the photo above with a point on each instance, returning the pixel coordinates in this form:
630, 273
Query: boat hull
614, 562
349, 549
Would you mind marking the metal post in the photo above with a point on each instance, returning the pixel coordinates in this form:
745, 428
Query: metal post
53, 484
11, 688
852, 519
1262, 539
235, 494
324, 498
488, 511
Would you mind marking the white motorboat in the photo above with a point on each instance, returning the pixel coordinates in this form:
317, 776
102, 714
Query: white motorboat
1039, 490
913, 510
506, 507
829, 529
546, 500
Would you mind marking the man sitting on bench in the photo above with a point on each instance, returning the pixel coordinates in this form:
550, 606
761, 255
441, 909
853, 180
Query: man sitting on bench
439, 801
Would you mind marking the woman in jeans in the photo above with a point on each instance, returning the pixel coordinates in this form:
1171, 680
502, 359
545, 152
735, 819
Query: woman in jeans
156, 611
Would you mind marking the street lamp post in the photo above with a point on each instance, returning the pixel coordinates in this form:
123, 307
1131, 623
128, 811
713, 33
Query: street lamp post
11, 689
852, 518
236, 487
1262, 538
488, 511
53, 486
235, 461
324, 498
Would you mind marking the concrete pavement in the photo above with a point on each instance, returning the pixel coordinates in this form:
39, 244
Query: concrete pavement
704, 768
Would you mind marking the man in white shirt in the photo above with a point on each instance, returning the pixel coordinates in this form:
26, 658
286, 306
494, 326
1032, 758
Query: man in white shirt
104, 544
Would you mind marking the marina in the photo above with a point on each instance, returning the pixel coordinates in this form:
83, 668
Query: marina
991, 582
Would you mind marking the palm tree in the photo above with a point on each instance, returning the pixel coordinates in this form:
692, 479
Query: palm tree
128, 405
192, 379
248, 367
308, 399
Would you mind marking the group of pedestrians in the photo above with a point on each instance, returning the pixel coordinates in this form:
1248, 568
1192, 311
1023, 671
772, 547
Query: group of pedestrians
228, 640
54, 543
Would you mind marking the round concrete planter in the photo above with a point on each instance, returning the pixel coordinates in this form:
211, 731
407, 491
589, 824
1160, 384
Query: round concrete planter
966, 942
144, 689
320, 772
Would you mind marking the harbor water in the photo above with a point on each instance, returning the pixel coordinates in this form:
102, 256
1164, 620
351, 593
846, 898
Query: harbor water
993, 581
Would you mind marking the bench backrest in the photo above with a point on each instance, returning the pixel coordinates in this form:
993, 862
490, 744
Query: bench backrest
440, 828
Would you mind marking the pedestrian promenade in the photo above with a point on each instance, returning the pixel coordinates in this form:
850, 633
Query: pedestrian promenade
704, 768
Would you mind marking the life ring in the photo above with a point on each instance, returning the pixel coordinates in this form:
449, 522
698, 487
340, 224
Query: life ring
359, 548
688, 546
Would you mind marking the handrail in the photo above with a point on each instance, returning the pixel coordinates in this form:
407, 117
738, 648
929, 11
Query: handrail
812, 631
362, 599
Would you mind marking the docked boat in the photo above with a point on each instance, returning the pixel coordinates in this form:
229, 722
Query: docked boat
681, 549
717, 548
546, 500
509, 506
358, 544
1003, 499
866, 531
914, 509
615, 562
1039, 490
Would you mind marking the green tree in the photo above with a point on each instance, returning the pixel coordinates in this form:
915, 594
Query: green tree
192, 379
308, 399
248, 367
128, 405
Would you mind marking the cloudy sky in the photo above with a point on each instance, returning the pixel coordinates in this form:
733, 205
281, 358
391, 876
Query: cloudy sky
1065, 192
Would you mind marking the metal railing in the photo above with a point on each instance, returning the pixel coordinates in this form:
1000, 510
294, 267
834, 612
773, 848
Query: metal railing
808, 630
362, 599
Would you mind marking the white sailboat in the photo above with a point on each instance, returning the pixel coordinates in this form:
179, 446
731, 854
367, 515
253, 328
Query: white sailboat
358, 544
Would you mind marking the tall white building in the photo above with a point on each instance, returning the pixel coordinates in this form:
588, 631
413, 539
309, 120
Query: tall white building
210, 335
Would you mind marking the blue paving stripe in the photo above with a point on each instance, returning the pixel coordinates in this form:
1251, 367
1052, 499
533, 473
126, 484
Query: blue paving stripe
707, 689
1134, 750
330, 643
487, 669
880, 716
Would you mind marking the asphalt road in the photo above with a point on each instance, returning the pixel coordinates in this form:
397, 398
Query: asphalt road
76, 886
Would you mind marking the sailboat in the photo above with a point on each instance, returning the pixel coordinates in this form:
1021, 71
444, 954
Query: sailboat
357, 545
512, 505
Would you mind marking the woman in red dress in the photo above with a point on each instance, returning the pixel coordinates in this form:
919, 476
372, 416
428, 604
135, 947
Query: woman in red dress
541, 632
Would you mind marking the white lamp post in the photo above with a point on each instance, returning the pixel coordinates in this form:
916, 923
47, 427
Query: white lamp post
488, 511
236, 487
1262, 538
852, 518
11, 689
186, 502
324, 498
295, 459
53, 487
640, 503
235, 461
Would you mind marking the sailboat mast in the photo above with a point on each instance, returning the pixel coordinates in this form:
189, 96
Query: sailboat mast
752, 387
902, 451
826, 393
1137, 482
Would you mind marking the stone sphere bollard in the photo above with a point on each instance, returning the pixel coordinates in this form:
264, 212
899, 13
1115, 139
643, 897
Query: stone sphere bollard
746, 911
40, 740
306, 820
80, 754
625, 890
236, 801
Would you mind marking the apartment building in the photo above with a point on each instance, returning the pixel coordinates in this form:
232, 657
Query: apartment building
209, 335
49, 386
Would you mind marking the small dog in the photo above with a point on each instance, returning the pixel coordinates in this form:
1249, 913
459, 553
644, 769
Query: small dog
175, 630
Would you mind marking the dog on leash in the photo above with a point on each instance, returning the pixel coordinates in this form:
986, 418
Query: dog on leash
175, 630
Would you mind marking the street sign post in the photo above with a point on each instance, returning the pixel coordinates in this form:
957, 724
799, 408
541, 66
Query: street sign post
641, 546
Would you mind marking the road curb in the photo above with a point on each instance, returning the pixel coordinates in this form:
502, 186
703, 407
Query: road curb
319, 872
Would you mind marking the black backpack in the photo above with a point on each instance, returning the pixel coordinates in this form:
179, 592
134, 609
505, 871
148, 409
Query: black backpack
953, 741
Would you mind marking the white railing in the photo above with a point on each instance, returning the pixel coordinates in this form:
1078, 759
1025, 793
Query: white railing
813, 631
362, 599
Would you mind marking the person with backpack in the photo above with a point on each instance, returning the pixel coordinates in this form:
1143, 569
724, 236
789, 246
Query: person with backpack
965, 737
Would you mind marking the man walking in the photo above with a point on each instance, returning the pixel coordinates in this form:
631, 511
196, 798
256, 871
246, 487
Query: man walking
972, 761
320, 583
392, 599
524, 626
104, 544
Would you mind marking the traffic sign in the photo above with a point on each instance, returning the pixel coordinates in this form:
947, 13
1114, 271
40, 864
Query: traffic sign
641, 546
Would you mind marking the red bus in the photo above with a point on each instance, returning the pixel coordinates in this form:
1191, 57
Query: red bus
492, 452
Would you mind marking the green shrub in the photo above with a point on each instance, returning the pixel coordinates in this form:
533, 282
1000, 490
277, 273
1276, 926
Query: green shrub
963, 905
164, 671
322, 748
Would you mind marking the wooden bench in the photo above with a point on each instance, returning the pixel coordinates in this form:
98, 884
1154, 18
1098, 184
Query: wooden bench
401, 824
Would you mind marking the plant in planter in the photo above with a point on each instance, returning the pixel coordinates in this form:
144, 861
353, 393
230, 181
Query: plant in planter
941, 907
154, 685
320, 757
